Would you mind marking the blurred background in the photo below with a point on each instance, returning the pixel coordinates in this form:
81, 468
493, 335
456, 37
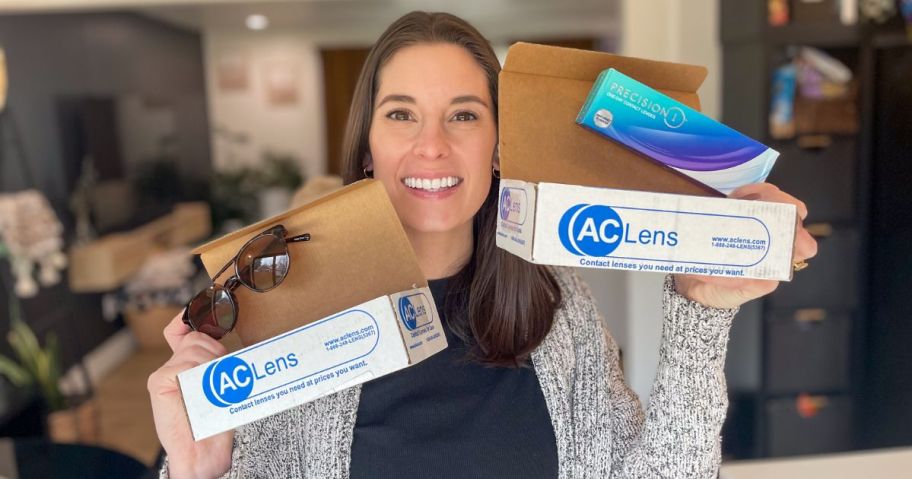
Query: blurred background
131, 131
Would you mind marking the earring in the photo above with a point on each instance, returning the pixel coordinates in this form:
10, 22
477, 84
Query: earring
495, 172
368, 174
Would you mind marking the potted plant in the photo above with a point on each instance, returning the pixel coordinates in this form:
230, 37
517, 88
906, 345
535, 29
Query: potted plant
278, 178
233, 198
39, 368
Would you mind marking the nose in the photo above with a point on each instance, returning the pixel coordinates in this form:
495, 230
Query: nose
432, 142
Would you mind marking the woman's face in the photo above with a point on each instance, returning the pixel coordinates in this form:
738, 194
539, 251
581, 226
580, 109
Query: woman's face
432, 136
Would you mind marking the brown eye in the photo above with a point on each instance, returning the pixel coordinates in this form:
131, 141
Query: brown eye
465, 116
399, 115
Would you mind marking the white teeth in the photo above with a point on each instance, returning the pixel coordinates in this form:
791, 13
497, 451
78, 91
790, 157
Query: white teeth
435, 184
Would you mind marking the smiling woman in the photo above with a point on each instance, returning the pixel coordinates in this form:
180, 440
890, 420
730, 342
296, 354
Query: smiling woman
423, 121
435, 133
531, 384
433, 140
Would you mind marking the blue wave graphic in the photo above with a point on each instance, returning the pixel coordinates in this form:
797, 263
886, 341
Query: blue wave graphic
674, 134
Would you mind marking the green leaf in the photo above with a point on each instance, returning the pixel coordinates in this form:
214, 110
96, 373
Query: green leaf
17, 375
18, 340
14, 306
53, 359
37, 365
18, 347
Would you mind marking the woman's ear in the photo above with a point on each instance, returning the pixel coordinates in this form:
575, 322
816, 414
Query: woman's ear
496, 162
367, 165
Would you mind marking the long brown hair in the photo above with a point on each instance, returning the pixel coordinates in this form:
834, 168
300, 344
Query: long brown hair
501, 305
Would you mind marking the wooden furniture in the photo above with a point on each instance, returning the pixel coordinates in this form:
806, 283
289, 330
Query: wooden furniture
878, 464
124, 408
110, 261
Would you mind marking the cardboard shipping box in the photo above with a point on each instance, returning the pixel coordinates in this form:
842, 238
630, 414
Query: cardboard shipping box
571, 197
354, 306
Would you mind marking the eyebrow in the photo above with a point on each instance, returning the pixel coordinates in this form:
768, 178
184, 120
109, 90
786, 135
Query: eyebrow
398, 98
468, 99
408, 99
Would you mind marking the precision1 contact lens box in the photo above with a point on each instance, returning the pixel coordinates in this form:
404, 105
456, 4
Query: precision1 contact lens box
568, 197
354, 306
674, 134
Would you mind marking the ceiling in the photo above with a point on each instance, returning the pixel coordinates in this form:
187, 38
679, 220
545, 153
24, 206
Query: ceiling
565, 18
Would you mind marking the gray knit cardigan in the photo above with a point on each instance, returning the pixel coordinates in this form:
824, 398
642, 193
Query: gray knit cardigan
600, 426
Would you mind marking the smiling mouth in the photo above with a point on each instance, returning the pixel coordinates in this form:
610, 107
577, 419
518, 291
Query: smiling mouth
432, 185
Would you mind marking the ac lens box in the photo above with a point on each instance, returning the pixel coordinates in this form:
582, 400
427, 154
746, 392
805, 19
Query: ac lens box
370, 340
671, 133
572, 225
569, 197
353, 306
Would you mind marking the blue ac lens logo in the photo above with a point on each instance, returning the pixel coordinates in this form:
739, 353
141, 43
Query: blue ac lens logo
228, 381
590, 230
512, 205
413, 310
506, 204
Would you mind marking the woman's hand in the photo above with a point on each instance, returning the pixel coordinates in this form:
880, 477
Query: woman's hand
719, 292
210, 457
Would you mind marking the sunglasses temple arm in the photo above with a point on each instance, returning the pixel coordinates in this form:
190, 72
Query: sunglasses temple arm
295, 239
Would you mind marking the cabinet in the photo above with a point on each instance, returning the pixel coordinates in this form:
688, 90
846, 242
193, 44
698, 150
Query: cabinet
822, 364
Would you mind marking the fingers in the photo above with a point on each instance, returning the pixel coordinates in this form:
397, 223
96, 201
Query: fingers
163, 381
783, 197
194, 349
753, 191
175, 331
197, 339
805, 245
769, 192
194, 355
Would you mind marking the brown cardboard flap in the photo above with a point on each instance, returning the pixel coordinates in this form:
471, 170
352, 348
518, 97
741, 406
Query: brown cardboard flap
358, 251
573, 64
542, 89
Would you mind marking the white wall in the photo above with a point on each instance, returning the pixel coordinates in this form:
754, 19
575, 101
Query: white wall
300, 129
684, 31
296, 129
670, 30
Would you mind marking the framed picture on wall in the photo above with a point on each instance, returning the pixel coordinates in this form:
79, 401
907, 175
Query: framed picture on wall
231, 73
280, 80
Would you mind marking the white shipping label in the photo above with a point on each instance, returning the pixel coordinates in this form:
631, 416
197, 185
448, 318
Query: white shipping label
599, 227
292, 368
516, 217
419, 323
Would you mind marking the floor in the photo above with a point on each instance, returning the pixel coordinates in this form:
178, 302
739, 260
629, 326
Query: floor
125, 413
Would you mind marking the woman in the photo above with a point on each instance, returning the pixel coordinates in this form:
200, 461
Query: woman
530, 385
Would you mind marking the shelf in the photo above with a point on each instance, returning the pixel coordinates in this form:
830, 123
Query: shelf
817, 35
891, 40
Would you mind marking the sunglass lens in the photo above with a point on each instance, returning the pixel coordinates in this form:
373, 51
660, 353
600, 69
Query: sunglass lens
212, 311
263, 263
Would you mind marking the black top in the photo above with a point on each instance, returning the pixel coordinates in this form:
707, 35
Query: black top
446, 417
